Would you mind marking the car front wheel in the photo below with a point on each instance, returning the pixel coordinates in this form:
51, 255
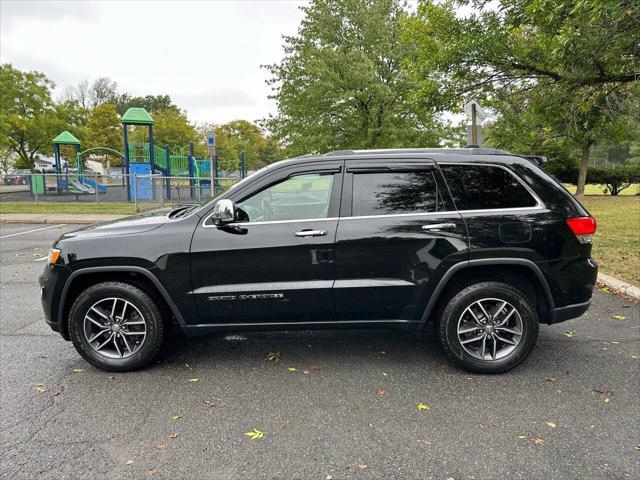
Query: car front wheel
116, 326
488, 327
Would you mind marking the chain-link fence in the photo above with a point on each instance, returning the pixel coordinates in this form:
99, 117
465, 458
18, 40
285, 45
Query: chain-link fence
137, 189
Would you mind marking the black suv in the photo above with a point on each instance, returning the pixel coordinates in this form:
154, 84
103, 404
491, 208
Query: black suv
479, 243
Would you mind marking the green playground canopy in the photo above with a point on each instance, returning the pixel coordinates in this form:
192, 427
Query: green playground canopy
137, 116
66, 138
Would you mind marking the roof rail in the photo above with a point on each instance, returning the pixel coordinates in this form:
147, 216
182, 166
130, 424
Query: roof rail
468, 150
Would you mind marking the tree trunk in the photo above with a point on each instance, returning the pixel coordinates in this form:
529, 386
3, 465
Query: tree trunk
584, 164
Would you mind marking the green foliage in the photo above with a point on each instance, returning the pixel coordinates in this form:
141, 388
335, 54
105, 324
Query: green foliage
103, 129
616, 179
553, 69
28, 117
242, 136
151, 103
342, 83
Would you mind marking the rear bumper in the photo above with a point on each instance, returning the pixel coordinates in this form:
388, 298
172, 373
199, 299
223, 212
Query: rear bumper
562, 314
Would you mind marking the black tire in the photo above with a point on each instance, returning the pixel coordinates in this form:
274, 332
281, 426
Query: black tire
155, 324
462, 298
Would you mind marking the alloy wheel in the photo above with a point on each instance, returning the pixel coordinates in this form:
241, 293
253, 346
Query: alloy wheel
490, 329
114, 327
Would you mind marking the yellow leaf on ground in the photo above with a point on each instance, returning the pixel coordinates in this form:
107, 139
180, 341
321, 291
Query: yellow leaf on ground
78, 370
161, 446
175, 418
152, 472
618, 317
129, 462
209, 403
522, 437
292, 369
255, 434
41, 387
538, 441
193, 380
423, 406
174, 435
551, 425
569, 334
550, 379
362, 466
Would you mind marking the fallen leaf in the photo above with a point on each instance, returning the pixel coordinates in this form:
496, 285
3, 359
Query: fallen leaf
120, 434
174, 435
379, 393
634, 356
328, 477
569, 334
550, 379
423, 406
161, 446
538, 441
292, 369
552, 425
625, 306
175, 418
44, 355
152, 472
130, 462
255, 434
41, 387
193, 380
209, 403
316, 369
606, 400
427, 442
522, 437
637, 447
618, 317
78, 370
306, 372
362, 466
273, 357
615, 343
444, 366
384, 373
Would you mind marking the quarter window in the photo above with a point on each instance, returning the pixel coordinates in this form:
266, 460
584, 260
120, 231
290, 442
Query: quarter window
395, 192
485, 187
296, 198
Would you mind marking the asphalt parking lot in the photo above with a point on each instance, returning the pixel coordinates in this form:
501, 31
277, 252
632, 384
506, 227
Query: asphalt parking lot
348, 410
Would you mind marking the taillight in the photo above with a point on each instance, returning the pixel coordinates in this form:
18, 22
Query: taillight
583, 228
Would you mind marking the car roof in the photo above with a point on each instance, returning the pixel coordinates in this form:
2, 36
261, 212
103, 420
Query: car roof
440, 155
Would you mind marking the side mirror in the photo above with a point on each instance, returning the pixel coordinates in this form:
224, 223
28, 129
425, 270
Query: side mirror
224, 212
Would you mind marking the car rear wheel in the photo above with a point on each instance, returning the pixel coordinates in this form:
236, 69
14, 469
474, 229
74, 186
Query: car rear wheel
116, 326
488, 327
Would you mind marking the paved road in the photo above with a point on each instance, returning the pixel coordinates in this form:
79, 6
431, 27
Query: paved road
348, 411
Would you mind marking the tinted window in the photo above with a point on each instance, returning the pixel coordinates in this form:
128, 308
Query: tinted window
395, 192
296, 198
476, 187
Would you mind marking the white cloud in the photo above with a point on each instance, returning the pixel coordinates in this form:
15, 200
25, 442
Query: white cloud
205, 55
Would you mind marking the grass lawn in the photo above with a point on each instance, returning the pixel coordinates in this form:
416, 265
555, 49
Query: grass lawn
616, 245
599, 189
71, 207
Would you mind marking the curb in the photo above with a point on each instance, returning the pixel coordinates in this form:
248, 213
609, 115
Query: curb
619, 286
66, 218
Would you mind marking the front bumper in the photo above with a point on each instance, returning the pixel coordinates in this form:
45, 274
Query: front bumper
52, 283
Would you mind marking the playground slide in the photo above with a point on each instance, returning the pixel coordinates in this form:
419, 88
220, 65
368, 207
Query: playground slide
91, 184
79, 187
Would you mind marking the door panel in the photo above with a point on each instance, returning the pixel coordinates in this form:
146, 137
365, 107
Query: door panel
264, 272
276, 264
397, 229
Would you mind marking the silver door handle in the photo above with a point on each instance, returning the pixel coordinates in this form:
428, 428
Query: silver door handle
440, 226
311, 233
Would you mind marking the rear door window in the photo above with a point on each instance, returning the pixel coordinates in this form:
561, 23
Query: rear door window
485, 187
388, 193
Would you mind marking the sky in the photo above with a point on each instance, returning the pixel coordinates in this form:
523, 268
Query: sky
205, 54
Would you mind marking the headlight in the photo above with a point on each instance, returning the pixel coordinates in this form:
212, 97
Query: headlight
54, 255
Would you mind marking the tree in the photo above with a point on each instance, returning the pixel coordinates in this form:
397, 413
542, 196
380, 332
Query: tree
102, 90
342, 85
151, 103
28, 120
242, 136
572, 62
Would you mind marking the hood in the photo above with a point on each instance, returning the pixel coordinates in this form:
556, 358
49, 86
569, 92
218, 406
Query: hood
122, 226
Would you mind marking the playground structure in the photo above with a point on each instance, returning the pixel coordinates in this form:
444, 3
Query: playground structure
150, 166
